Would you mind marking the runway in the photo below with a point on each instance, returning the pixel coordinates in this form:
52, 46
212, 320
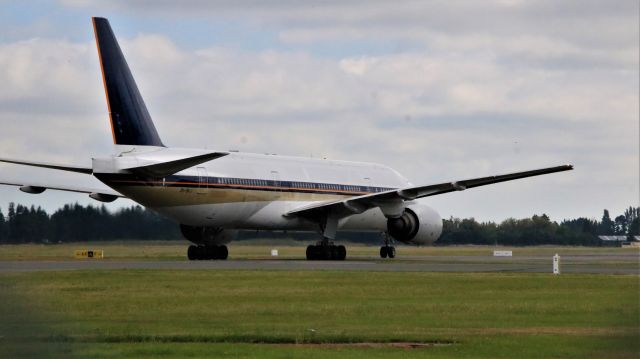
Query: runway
627, 263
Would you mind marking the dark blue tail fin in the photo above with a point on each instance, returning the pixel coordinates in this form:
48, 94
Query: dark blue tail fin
131, 123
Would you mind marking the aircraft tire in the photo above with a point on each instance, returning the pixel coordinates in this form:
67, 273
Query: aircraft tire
383, 252
326, 252
311, 252
222, 252
333, 253
207, 252
391, 252
342, 252
192, 253
202, 253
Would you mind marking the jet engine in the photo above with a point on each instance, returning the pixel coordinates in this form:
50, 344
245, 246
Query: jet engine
418, 224
211, 236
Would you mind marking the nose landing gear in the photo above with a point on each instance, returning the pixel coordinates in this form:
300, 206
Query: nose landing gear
207, 252
387, 250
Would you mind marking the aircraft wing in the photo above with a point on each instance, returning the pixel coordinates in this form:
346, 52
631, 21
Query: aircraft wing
102, 195
394, 197
53, 166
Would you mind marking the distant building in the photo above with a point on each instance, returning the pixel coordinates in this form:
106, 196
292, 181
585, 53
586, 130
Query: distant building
618, 240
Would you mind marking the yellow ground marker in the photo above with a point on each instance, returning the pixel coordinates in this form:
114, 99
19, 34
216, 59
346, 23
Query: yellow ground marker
87, 253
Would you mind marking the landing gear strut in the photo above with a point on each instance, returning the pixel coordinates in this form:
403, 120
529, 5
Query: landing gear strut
325, 250
207, 252
387, 250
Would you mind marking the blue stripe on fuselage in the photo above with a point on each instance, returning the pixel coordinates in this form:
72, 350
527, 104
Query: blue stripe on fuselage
116, 180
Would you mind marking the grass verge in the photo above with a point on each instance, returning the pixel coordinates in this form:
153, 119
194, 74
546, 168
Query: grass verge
138, 313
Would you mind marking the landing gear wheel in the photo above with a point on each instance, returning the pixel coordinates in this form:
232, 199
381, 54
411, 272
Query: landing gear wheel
192, 253
311, 253
326, 252
222, 253
387, 251
207, 252
210, 252
391, 252
342, 253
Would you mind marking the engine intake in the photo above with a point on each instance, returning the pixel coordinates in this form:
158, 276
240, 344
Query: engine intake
405, 227
418, 224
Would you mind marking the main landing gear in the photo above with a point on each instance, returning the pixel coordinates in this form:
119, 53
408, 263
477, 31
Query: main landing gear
387, 250
207, 252
325, 250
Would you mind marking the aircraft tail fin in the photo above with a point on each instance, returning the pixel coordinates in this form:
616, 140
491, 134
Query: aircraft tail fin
131, 123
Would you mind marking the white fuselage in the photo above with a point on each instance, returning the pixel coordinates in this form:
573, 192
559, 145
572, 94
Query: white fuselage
250, 191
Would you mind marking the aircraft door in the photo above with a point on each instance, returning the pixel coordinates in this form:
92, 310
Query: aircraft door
367, 181
275, 177
203, 180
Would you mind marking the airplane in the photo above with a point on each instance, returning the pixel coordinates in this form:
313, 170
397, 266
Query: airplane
214, 194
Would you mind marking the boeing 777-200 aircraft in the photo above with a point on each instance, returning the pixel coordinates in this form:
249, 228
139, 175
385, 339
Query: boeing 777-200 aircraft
213, 194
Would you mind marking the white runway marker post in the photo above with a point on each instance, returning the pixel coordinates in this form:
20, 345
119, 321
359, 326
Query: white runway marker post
556, 264
274, 252
503, 253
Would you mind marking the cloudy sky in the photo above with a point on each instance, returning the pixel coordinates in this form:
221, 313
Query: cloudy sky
439, 90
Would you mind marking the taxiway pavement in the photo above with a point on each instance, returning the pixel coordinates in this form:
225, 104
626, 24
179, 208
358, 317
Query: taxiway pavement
607, 264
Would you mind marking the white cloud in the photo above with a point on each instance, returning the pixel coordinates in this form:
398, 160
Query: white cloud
471, 102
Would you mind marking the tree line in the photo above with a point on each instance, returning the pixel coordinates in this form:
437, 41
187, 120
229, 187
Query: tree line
541, 230
77, 223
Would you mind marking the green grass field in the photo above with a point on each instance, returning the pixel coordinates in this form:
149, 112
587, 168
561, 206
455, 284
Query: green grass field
317, 314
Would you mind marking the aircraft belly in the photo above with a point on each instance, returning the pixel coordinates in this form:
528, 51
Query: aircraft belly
242, 209
238, 215
371, 220
159, 196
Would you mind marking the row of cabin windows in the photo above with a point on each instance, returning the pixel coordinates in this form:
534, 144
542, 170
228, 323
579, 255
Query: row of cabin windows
243, 181
322, 186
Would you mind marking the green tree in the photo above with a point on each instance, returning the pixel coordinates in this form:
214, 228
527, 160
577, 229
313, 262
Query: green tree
634, 227
542, 230
3, 228
631, 213
620, 225
467, 231
11, 215
606, 225
632, 216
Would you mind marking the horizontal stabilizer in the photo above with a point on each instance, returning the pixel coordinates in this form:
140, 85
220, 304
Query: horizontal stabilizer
167, 168
102, 195
54, 166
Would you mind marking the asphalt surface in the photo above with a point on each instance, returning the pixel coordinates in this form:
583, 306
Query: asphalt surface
627, 263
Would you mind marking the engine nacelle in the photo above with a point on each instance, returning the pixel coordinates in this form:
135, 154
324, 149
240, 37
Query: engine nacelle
208, 235
418, 224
